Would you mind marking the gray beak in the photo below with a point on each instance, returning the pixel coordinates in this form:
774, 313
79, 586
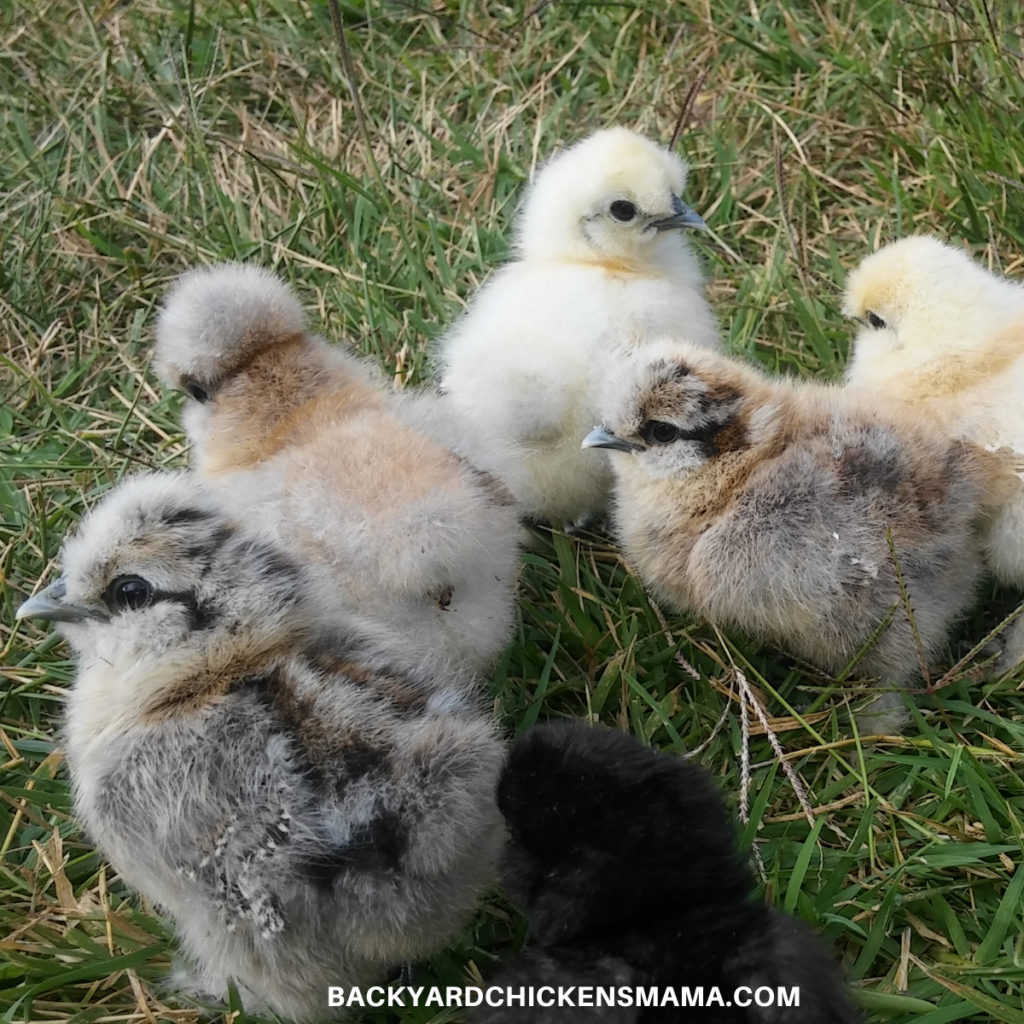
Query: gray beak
49, 604
602, 437
682, 217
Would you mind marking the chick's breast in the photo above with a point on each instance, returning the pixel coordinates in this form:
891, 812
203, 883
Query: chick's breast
531, 358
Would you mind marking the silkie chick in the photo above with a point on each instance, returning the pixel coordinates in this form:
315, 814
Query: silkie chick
625, 862
943, 337
763, 505
304, 813
375, 491
602, 264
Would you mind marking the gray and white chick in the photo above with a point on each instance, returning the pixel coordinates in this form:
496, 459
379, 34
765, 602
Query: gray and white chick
764, 505
402, 512
305, 814
602, 265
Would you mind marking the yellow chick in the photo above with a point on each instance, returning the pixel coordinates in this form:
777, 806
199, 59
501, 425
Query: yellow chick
602, 265
942, 335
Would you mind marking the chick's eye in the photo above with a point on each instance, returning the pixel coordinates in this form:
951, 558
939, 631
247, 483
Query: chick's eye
659, 432
875, 321
128, 593
195, 390
623, 210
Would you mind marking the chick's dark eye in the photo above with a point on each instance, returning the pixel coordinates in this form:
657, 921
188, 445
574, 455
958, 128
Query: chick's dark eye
659, 432
875, 321
195, 390
128, 593
622, 210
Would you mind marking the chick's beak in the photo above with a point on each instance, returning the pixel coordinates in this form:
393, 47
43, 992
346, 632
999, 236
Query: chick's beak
682, 217
49, 604
602, 437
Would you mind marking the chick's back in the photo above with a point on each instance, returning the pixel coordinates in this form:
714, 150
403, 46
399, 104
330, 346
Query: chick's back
326, 820
625, 861
826, 503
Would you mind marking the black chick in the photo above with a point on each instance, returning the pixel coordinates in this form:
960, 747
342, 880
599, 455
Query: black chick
625, 862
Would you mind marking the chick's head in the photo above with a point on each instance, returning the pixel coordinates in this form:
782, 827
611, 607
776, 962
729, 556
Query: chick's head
216, 319
925, 307
673, 408
157, 582
565, 792
614, 197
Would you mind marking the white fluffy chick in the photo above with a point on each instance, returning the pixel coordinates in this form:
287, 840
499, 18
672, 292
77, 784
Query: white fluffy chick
386, 495
944, 337
603, 266
763, 505
306, 815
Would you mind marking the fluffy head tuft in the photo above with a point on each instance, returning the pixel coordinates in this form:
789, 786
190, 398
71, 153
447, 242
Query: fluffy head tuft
215, 319
574, 208
675, 406
921, 302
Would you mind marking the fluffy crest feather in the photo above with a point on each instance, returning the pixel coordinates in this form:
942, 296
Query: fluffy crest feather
215, 319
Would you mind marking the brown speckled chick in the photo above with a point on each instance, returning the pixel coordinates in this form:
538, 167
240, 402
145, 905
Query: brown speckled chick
397, 507
763, 505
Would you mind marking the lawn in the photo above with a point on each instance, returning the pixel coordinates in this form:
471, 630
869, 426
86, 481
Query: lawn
141, 139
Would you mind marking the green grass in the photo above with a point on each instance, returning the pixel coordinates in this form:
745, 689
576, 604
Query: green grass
139, 139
